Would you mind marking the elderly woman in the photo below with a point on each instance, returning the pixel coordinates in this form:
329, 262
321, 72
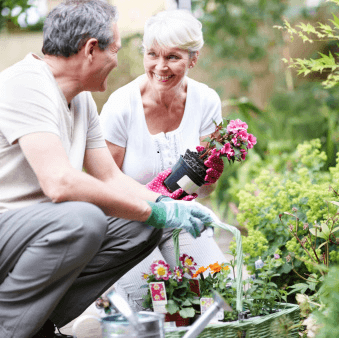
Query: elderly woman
151, 121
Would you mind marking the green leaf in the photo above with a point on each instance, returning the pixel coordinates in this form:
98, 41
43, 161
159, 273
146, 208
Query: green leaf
187, 312
187, 303
172, 307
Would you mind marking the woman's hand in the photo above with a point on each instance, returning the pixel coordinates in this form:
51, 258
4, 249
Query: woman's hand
157, 185
216, 167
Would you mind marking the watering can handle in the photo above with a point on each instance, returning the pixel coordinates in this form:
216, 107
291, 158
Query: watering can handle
79, 320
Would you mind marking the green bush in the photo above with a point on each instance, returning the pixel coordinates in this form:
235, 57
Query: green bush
289, 181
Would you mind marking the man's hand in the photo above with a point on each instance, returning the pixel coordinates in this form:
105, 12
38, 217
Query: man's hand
190, 216
157, 185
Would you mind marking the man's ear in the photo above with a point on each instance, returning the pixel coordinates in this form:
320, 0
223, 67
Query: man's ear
89, 48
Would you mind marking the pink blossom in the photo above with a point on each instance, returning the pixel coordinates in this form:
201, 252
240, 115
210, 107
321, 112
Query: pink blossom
230, 154
251, 141
236, 125
276, 256
200, 148
177, 274
235, 141
187, 261
161, 270
226, 149
243, 154
243, 135
215, 152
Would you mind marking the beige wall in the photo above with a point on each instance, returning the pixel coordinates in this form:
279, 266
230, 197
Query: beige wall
132, 16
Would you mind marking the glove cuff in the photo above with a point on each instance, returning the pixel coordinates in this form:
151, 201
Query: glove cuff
163, 198
157, 219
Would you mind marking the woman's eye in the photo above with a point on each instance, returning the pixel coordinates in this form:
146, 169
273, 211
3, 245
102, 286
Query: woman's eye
152, 54
173, 57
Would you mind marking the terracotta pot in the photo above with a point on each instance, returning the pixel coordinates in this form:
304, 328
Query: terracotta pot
179, 320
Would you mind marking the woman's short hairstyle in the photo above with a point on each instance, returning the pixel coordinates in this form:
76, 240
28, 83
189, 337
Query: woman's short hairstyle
70, 24
174, 28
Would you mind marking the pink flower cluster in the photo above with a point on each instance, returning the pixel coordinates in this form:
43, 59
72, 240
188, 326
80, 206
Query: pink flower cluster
235, 141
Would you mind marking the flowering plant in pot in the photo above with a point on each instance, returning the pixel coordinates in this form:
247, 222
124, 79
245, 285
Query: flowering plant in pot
230, 140
178, 296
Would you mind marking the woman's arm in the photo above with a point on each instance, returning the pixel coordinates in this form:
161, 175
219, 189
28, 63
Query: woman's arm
117, 152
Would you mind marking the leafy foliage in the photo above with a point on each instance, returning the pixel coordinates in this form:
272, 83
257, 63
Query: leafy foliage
309, 33
10, 5
297, 181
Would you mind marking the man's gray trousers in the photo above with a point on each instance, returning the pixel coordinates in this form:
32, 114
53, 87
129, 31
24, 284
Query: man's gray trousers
56, 259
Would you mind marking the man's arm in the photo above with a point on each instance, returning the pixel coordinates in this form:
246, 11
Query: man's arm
61, 182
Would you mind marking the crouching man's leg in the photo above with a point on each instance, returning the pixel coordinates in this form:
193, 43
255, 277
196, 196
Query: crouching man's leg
43, 249
125, 245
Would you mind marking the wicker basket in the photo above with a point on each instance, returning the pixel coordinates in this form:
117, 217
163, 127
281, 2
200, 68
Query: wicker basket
256, 327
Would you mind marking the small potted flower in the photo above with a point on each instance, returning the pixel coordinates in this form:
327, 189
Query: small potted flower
171, 291
229, 140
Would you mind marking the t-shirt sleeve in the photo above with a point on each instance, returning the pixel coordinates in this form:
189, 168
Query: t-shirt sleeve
26, 107
114, 118
95, 138
211, 111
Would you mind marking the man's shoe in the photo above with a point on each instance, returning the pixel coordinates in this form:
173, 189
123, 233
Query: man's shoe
48, 331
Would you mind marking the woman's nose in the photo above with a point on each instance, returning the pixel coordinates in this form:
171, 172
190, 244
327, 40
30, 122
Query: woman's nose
162, 64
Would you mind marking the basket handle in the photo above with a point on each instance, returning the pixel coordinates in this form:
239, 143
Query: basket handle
236, 233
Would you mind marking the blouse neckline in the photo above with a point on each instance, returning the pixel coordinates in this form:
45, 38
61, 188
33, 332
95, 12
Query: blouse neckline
169, 133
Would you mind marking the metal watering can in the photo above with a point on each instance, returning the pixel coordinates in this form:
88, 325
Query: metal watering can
128, 324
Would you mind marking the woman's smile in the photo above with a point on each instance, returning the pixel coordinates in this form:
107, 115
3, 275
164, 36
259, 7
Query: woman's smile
163, 78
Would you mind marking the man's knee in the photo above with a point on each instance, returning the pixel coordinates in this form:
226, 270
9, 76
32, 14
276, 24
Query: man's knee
84, 221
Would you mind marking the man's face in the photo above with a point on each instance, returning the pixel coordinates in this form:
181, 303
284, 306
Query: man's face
104, 62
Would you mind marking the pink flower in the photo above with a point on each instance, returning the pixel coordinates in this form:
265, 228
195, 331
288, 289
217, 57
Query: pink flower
276, 256
215, 152
243, 135
187, 262
235, 141
243, 154
226, 149
177, 274
161, 270
200, 148
251, 141
236, 125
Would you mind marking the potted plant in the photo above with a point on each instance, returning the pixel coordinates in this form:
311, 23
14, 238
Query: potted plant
172, 290
229, 140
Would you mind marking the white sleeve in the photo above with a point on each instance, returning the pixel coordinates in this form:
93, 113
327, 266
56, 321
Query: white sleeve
211, 111
114, 118
27, 107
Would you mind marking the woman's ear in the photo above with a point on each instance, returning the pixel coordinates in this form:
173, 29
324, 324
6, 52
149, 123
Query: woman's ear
194, 59
89, 48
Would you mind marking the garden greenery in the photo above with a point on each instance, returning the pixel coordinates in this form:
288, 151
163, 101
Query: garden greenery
310, 33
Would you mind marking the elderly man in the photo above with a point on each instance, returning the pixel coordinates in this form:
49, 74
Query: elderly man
66, 235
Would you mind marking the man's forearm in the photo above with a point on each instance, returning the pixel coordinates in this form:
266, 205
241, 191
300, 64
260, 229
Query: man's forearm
115, 197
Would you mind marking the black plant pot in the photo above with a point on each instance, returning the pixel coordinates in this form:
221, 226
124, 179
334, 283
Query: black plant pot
184, 176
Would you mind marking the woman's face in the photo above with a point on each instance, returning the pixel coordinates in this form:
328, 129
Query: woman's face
166, 67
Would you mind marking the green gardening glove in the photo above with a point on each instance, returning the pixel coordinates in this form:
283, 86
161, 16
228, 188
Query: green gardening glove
187, 215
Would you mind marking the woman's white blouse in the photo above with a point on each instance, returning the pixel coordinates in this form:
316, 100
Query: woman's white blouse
123, 123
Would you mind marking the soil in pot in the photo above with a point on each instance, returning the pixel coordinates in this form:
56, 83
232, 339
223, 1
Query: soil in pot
192, 158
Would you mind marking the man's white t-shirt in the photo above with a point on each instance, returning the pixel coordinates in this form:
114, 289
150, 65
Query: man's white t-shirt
123, 123
31, 101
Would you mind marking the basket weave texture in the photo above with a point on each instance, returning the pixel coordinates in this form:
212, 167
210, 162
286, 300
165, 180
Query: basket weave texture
256, 327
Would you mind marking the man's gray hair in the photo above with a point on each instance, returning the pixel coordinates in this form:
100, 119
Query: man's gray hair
70, 24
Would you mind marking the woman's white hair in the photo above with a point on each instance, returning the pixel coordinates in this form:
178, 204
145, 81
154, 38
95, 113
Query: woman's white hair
174, 28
